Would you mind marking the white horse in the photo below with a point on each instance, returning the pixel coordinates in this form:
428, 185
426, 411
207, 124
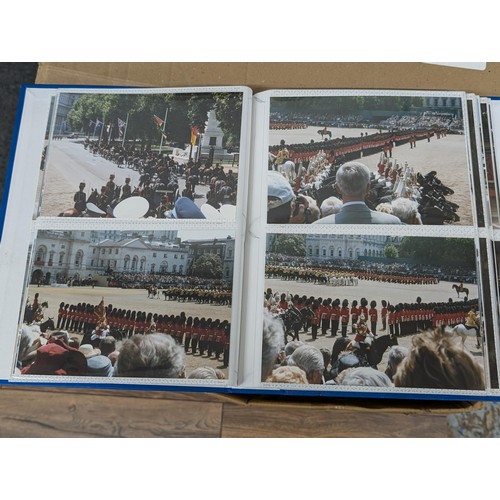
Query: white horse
465, 332
288, 170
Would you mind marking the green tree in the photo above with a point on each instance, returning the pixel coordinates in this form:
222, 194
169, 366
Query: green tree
184, 111
440, 251
228, 110
290, 244
391, 252
207, 266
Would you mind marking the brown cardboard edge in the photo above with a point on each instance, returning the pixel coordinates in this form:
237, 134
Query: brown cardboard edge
268, 75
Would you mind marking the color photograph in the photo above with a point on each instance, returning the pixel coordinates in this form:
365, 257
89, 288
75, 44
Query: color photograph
370, 302
150, 155
369, 159
164, 298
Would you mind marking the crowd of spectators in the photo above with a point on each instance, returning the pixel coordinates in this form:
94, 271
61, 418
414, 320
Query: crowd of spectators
436, 359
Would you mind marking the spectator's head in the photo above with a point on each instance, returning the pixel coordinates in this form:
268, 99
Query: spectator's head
396, 354
310, 359
57, 358
288, 375
207, 372
384, 207
437, 360
291, 346
330, 206
353, 181
279, 199
364, 376
185, 208
406, 210
156, 355
273, 340
107, 345
327, 356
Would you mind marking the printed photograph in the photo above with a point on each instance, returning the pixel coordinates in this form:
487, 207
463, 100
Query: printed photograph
142, 156
143, 304
368, 160
386, 311
489, 158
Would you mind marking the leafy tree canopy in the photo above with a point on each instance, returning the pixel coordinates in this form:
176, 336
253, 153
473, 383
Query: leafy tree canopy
290, 244
183, 111
440, 251
207, 266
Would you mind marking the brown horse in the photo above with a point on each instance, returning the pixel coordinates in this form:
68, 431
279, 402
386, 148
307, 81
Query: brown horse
460, 290
322, 132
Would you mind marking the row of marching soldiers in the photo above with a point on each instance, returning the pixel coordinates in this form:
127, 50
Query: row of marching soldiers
325, 315
200, 336
203, 337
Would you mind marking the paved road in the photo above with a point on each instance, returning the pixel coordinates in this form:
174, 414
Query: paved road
69, 163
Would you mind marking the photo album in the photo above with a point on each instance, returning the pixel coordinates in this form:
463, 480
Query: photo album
330, 243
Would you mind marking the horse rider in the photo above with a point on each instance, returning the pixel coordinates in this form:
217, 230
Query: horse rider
363, 337
472, 320
282, 156
126, 190
80, 199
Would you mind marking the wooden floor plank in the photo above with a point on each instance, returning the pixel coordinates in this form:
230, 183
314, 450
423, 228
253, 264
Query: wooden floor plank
33, 414
276, 422
129, 393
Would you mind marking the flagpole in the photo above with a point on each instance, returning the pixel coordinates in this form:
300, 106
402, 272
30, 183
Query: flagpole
125, 131
110, 132
163, 129
95, 128
102, 129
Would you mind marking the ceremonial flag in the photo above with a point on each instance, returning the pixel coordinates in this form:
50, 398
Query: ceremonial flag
194, 135
158, 121
100, 311
161, 125
121, 127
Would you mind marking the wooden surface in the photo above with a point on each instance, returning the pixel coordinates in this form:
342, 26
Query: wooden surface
71, 413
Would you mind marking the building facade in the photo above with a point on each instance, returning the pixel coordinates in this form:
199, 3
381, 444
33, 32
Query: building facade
323, 247
62, 256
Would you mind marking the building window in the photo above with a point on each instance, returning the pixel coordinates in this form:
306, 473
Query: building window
182, 255
154, 254
212, 141
175, 256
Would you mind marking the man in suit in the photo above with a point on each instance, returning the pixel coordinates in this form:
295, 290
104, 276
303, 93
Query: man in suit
353, 183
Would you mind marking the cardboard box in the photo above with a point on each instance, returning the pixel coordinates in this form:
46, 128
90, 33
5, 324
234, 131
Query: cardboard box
244, 416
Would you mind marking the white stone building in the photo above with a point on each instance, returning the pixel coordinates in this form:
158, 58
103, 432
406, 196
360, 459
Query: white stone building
323, 247
63, 255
